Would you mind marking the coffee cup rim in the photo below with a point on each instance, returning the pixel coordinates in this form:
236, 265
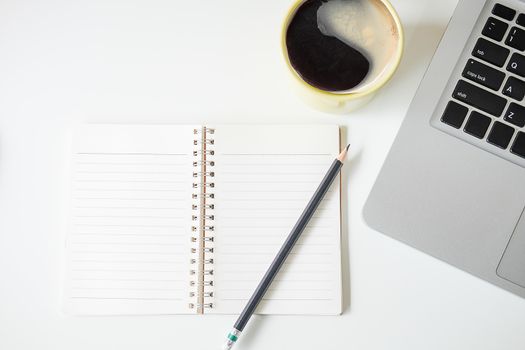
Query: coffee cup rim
346, 95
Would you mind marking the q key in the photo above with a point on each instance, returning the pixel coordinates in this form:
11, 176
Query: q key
517, 64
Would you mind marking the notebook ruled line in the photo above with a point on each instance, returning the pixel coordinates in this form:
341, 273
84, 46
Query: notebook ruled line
128, 279
259, 163
272, 254
131, 163
137, 181
126, 261
283, 299
128, 234
122, 298
252, 208
278, 289
128, 288
273, 191
270, 182
115, 225
131, 154
224, 173
285, 264
125, 270
275, 154
262, 270
121, 252
284, 227
130, 199
126, 190
132, 172
226, 200
130, 217
140, 244
280, 280
280, 244
131, 207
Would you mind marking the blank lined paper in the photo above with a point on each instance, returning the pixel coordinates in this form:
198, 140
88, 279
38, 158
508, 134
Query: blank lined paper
128, 243
140, 208
262, 186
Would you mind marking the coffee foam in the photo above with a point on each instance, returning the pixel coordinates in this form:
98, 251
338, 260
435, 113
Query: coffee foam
366, 25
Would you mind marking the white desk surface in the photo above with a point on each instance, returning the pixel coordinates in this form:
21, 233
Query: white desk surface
160, 61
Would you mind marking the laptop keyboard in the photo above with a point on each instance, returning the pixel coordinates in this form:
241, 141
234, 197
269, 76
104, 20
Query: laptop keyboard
487, 101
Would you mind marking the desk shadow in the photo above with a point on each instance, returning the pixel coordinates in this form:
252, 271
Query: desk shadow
251, 335
420, 46
351, 166
421, 42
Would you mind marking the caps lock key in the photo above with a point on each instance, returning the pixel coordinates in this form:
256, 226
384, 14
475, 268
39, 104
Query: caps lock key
483, 74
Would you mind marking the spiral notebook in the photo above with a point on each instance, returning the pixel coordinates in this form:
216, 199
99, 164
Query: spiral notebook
168, 219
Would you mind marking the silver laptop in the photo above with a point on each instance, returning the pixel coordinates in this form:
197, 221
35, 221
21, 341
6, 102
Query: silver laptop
453, 184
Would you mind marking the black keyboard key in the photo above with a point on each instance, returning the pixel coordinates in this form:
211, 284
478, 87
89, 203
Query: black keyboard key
516, 38
517, 64
518, 147
483, 74
514, 88
521, 19
490, 52
500, 135
454, 114
503, 12
477, 124
495, 29
515, 114
479, 98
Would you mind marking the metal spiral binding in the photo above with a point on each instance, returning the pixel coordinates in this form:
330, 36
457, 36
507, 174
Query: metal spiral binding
201, 282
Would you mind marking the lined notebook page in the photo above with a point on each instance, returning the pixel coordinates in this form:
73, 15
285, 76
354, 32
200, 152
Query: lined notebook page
265, 176
128, 243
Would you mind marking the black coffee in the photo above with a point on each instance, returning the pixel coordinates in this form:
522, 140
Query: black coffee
323, 61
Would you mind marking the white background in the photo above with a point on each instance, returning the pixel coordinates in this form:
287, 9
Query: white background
196, 61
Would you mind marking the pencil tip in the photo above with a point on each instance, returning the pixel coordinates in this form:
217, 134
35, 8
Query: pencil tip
342, 155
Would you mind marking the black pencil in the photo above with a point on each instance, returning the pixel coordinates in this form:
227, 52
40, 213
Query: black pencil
283, 253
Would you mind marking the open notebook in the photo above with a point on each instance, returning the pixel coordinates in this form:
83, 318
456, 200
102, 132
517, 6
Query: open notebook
169, 219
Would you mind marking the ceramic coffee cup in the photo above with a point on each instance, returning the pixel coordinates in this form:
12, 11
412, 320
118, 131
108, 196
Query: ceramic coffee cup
370, 26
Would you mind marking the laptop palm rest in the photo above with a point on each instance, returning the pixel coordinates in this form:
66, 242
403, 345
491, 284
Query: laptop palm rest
512, 264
